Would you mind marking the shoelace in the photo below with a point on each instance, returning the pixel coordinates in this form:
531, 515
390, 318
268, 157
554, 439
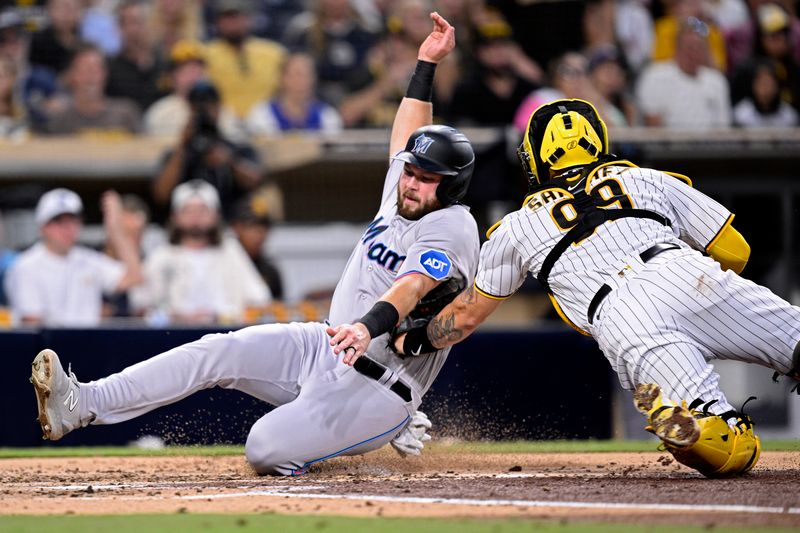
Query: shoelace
71, 374
743, 422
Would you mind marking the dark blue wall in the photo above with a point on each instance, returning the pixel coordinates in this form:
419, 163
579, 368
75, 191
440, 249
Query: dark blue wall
540, 384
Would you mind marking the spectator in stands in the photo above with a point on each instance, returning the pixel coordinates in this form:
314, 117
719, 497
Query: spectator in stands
99, 26
609, 78
89, 110
57, 282
667, 28
53, 46
252, 223
169, 115
490, 95
374, 100
633, 27
136, 73
13, 122
272, 17
747, 40
14, 39
764, 107
134, 216
295, 106
7, 258
245, 69
337, 38
201, 276
776, 42
727, 14
684, 92
205, 153
176, 20
570, 77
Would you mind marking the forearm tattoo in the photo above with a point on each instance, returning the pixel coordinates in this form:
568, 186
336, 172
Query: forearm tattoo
442, 330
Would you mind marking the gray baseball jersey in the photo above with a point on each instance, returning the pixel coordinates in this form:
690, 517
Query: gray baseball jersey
665, 317
442, 245
325, 408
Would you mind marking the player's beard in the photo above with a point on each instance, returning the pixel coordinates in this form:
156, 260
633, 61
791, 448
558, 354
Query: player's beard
419, 210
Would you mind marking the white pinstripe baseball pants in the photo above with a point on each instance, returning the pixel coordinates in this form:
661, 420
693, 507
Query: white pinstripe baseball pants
678, 312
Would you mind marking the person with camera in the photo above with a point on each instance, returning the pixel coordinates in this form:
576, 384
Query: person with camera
205, 153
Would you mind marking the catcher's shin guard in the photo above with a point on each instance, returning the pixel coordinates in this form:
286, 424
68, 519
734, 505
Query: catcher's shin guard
721, 450
697, 438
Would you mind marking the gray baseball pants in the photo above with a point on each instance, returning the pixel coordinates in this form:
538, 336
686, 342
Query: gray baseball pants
324, 408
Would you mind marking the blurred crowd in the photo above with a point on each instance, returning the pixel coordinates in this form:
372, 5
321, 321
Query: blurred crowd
118, 67
215, 74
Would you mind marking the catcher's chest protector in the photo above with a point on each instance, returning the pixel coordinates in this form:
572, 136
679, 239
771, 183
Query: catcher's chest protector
590, 216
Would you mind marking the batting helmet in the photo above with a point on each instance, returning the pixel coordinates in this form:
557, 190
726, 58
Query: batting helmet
561, 135
445, 151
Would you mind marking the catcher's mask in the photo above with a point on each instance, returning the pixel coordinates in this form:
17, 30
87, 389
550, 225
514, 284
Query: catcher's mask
561, 135
445, 151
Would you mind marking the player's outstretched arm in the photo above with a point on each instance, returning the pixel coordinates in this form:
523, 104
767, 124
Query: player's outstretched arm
415, 109
453, 324
393, 306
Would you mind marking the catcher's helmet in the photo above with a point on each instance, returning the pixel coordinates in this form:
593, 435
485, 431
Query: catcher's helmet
561, 135
446, 151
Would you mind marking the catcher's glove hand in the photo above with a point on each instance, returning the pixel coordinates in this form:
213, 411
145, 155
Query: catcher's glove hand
411, 438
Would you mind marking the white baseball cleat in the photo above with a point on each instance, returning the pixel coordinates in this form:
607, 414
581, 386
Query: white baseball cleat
58, 395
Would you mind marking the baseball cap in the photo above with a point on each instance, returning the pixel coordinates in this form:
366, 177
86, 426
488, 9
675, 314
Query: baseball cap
55, 203
254, 209
772, 18
195, 189
186, 51
492, 31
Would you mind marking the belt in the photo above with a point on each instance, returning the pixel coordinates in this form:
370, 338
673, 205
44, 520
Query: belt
372, 369
604, 291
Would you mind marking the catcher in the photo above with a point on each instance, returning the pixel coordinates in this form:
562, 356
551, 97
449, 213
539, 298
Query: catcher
645, 264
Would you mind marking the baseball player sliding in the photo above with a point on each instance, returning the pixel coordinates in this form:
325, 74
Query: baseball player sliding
419, 252
646, 265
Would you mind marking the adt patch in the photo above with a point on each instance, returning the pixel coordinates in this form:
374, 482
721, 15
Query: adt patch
436, 263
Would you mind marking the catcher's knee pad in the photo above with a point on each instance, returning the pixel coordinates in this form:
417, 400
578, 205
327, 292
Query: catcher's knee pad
721, 450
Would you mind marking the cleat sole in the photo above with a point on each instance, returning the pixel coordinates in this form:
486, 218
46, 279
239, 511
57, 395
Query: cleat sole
676, 427
40, 378
646, 396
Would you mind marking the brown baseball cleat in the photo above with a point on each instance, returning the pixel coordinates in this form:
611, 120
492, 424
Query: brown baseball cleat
673, 424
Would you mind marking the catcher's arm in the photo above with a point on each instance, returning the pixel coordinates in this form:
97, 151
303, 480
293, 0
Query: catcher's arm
453, 324
395, 304
730, 249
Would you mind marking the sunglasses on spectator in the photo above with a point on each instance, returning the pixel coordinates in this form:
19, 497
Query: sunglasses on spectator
697, 26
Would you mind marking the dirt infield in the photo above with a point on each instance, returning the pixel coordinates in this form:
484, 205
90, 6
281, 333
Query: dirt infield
613, 487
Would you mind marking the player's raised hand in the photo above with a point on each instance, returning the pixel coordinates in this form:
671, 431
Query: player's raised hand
352, 339
440, 42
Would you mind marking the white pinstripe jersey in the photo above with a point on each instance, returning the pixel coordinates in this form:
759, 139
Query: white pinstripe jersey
524, 238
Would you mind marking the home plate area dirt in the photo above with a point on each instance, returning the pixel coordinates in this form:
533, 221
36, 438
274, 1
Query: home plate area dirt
608, 487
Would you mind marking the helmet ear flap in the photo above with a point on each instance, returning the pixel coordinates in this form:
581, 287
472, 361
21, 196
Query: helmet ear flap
525, 162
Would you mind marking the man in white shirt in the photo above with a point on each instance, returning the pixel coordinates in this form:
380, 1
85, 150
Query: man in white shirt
59, 283
685, 93
201, 276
